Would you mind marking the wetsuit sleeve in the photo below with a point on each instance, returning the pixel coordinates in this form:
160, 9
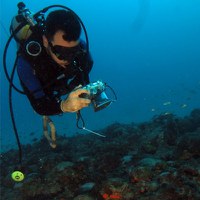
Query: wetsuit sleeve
40, 102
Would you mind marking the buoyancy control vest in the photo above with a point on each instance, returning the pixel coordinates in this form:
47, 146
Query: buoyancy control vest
54, 78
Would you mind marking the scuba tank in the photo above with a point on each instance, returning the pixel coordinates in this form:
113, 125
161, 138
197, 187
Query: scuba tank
24, 32
23, 25
23, 21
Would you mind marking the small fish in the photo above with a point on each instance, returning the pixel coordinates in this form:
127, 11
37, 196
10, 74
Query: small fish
184, 105
167, 103
167, 113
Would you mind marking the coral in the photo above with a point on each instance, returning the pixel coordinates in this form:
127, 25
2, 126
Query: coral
159, 159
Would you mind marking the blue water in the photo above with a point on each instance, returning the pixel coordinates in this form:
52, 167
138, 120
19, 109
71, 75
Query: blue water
147, 50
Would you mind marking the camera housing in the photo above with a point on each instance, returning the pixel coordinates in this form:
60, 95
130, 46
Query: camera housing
97, 95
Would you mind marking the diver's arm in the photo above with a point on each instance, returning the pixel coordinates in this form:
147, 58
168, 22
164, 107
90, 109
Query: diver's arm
74, 103
42, 104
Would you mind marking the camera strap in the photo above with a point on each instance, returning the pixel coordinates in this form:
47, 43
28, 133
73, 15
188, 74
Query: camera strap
80, 117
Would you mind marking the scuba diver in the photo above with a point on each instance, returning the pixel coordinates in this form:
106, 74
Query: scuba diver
53, 61
53, 64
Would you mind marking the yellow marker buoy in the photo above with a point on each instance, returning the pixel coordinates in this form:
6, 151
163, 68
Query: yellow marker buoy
17, 176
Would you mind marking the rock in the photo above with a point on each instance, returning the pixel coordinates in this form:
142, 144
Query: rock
84, 197
140, 173
87, 187
149, 148
62, 165
116, 188
126, 159
149, 162
189, 143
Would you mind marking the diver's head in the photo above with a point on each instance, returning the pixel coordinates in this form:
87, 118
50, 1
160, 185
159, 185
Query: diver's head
62, 20
62, 36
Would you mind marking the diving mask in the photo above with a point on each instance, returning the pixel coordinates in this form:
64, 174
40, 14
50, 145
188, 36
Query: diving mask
65, 53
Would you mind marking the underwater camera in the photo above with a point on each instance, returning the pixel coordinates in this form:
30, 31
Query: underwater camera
97, 95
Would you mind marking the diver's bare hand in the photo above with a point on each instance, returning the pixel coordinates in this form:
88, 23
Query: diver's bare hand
74, 102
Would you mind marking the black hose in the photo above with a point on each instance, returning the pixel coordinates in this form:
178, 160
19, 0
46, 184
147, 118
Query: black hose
12, 114
112, 92
4, 60
78, 118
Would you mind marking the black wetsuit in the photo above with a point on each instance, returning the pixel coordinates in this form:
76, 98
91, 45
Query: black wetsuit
44, 81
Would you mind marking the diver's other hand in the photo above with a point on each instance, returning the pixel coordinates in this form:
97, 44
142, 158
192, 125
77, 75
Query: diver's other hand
74, 102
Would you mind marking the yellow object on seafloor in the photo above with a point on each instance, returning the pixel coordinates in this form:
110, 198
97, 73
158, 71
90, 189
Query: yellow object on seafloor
17, 176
